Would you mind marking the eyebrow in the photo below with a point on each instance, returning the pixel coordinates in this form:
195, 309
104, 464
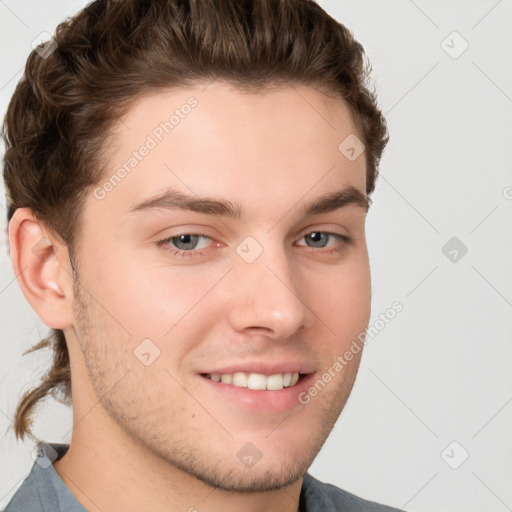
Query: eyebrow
173, 199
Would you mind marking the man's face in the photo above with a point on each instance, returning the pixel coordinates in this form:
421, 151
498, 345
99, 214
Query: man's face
275, 290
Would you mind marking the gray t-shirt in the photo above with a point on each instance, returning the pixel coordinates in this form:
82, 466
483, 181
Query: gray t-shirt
44, 491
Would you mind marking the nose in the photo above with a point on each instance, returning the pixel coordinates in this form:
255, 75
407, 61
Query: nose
266, 297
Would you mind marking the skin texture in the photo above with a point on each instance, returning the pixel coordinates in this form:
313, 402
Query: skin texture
158, 437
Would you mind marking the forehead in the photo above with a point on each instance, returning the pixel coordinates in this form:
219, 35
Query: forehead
217, 140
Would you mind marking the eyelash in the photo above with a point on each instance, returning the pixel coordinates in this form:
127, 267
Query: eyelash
164, 244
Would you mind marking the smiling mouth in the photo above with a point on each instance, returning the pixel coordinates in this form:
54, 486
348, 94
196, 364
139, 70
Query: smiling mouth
256, 381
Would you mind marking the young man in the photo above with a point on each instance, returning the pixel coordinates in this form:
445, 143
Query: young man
188, 183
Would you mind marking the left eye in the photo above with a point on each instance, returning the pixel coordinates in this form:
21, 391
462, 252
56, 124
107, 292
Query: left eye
187, 242
319, 239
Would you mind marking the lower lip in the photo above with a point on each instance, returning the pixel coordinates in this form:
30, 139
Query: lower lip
261, 401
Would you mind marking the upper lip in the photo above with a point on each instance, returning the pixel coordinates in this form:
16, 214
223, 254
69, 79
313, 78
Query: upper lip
264, 368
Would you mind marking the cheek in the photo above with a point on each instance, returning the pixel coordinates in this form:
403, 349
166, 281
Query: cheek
341, 300
145, 296
171, 306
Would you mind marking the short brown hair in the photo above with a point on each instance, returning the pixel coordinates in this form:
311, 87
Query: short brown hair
110, 53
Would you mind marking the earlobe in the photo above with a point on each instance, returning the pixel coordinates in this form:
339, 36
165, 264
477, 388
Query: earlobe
39, 265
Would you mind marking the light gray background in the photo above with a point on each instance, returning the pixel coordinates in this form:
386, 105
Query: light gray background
440, 371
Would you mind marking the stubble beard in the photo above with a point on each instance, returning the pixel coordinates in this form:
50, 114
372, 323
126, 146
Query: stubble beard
180, 452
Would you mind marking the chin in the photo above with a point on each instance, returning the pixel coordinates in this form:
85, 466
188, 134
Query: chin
253, 480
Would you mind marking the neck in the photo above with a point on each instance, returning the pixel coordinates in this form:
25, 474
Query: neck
108, 470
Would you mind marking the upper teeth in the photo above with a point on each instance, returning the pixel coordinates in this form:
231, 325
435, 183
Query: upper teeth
256, 381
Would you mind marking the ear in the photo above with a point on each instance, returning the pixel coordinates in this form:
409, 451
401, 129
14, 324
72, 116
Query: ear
43, 269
